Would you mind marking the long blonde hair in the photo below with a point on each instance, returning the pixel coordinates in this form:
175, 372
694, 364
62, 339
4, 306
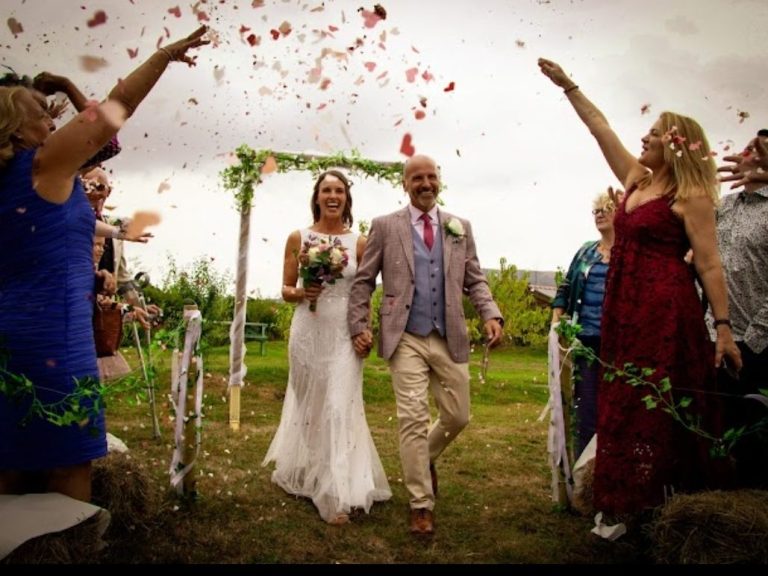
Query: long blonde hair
11, 120
689, 157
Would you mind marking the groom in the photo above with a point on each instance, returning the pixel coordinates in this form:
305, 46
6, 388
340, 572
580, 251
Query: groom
427, 260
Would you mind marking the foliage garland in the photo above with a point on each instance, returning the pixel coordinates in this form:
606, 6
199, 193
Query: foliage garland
243, 177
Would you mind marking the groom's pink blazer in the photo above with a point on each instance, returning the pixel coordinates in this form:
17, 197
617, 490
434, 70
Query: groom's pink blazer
390, 251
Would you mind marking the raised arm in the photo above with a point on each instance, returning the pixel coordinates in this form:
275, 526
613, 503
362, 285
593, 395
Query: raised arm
49, 84
623, 164
78, 140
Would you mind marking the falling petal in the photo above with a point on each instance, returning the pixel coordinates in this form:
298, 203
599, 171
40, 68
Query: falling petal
100, 17
92, 63
15, 26
175, 11
133, 52
450, 87
406, 147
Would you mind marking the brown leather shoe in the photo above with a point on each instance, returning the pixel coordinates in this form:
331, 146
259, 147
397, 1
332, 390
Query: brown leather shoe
433, 473
422, 522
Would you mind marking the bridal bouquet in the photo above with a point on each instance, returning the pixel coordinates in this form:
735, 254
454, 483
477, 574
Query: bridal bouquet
322, 261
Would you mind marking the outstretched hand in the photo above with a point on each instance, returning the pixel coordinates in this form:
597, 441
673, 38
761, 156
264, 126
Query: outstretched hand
177, 51
554, 72
616, 196
749, 166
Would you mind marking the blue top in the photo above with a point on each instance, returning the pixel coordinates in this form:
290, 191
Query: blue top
46, 315
592, 300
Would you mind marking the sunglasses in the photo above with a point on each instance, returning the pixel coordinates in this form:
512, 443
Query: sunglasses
597, 211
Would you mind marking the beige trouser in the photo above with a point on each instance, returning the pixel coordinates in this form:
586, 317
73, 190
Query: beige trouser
418, 364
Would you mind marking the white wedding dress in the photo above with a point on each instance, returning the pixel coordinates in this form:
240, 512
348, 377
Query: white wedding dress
323, 449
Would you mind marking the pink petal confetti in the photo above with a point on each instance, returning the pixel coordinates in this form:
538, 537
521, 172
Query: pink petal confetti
133, 52
202, 16
322, 106
243, 29
270, 165
420, 114
520, 43
15, 26
427, 76
645, 109
141, 221
325, 83
406, 147
415, 49
370, 19
450, 87
92, 63
275, 34
254, 40
694, 145
370, 66
175, 11
743, 115
411, 73
285, 28
100, 17
164, 186
257, 4
423, 101
21, 210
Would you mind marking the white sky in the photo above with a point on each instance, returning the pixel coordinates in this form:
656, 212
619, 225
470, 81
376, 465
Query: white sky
516, 159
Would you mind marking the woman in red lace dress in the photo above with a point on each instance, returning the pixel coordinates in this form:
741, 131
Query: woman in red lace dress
652, 314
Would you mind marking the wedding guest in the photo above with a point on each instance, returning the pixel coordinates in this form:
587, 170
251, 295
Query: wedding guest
652, 315
47, 280
580, 296
323, 449
742, 233
428, 262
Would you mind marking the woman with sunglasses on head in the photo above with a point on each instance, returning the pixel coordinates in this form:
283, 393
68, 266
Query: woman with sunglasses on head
580, 297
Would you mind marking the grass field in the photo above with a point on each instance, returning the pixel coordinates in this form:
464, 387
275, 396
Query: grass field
495, 502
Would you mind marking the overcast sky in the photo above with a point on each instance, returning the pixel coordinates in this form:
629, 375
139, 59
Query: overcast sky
317, 77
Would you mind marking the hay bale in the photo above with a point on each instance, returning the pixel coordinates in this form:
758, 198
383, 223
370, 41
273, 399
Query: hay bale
80, 544
124, 488
712, 528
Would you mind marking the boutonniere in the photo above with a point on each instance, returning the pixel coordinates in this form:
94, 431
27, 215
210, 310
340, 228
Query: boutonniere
455, 229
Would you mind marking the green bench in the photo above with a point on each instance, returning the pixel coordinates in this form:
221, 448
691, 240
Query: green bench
257, 331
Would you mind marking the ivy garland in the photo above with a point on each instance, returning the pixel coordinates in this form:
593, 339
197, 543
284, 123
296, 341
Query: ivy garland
243, 177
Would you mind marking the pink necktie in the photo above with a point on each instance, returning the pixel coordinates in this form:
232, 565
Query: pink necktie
429, 235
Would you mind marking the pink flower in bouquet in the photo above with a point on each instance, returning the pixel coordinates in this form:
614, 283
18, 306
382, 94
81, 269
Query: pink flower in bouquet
322, 261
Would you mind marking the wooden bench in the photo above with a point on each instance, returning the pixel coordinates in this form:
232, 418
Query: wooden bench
257, 331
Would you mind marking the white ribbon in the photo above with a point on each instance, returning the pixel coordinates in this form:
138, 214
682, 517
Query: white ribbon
556, 437
179, 376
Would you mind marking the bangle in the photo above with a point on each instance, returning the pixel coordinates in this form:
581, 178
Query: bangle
166, 52
571, 88
115, 232
722, 322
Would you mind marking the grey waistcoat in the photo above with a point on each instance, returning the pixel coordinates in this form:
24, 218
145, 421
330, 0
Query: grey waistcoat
428, 306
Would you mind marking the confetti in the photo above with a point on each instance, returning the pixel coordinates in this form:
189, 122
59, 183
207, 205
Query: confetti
520, 43
15, 26
133, 52
99, 18
175, 11
411, 73
406, 147
420, 114
450, 87
645, 109
743, 115
92, 63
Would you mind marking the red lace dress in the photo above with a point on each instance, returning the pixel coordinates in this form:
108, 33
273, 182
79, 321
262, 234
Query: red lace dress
652, 318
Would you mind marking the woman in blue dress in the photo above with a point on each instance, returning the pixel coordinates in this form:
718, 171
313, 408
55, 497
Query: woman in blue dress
47, 280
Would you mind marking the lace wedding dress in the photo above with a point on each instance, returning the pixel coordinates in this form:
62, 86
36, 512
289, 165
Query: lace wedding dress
323, 449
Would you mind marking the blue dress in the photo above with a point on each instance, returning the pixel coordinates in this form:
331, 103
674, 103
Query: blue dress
46, 309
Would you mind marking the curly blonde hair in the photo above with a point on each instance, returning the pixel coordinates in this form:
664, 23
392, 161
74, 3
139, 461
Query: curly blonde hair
11, 120
603, 202
688, 154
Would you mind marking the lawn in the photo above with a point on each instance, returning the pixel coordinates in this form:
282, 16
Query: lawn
494, 506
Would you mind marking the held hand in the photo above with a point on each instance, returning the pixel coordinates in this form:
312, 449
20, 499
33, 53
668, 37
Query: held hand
177, 51
554, 72
493, 332
363, 343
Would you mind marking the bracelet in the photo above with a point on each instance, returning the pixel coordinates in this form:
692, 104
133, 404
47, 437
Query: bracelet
166, 52
722, 322
116, 231
571, 88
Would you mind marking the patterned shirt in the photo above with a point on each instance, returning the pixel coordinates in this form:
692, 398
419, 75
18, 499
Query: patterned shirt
742, 234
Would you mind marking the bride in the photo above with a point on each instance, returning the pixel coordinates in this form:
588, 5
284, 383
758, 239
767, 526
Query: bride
323, 449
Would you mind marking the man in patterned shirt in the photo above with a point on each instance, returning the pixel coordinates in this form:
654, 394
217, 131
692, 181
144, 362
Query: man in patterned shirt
742, 231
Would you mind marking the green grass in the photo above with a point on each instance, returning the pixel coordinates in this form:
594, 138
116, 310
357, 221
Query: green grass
494, 506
